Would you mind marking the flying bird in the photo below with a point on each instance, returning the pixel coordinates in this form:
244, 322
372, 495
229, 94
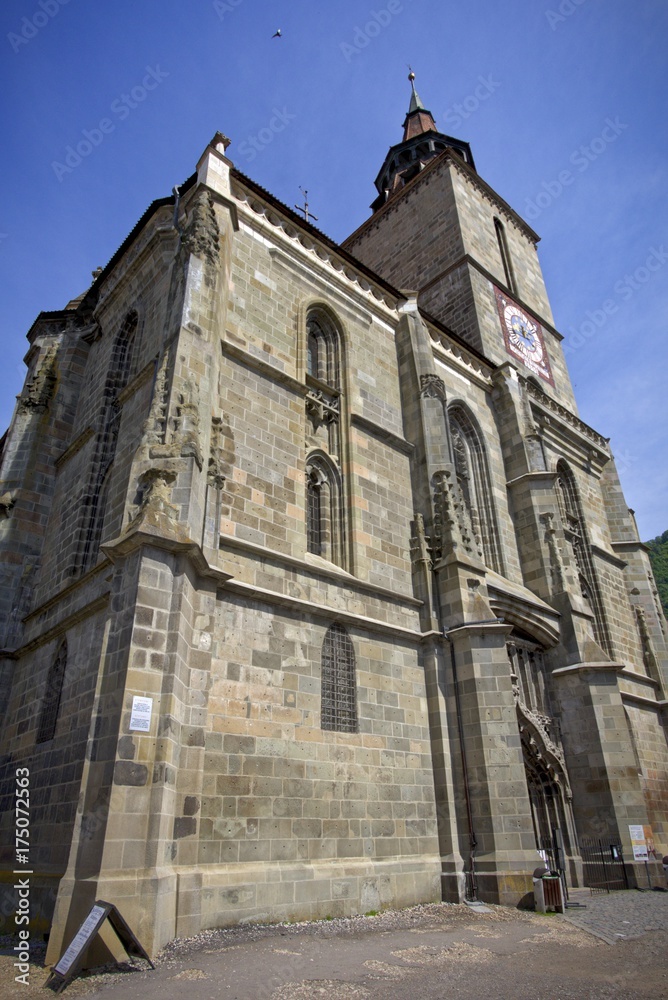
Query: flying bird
277, 34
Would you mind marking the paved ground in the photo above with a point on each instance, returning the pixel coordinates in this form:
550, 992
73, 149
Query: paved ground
426, 952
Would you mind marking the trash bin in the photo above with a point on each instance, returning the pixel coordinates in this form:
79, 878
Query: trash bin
548, 892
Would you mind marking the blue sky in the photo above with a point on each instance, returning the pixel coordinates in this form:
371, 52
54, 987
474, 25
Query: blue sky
563, 102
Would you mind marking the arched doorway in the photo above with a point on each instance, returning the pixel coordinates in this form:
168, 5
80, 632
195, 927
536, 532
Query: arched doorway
544, 762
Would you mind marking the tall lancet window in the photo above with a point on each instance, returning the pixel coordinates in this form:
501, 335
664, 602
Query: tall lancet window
338, 684
52, 695
506, 259
575, 533
324, 500
95, 503
474, 483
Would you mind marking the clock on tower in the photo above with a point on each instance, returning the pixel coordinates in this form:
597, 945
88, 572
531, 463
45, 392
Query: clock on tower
523, 336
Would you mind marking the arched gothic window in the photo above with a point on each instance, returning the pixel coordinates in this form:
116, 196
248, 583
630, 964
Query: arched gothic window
575, 533
118, 376
324, 518
473, 480
323, 350
338, 706
51, 699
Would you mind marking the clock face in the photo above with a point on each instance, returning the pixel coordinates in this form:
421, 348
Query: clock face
523, 337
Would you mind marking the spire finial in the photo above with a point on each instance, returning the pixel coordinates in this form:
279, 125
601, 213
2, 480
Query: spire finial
416, 104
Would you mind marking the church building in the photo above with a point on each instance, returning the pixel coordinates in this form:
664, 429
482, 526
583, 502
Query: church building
316, 594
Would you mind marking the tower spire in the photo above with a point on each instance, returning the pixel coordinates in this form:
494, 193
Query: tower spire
418, 119
422, 142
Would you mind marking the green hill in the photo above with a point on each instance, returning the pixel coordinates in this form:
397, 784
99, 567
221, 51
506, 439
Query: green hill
658, 553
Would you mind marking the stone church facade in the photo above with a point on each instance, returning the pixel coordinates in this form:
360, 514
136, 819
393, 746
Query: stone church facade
317, 595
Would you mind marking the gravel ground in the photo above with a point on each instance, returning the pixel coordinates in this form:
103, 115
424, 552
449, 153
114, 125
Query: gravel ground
432, 951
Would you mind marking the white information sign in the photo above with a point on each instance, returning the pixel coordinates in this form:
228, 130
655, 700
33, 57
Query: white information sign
140, 717
638, 842
80, 940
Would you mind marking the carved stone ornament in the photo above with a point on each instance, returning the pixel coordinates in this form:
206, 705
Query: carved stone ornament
453, 527
7, 501
202, 236
420, 548
40, 388
156, 425
155, 490
214, 475
321, 408
556, 563
445, 519
432, 387
539, 733
187, 429
649, 656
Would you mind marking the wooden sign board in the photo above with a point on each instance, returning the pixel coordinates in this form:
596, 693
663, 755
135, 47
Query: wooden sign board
70, 962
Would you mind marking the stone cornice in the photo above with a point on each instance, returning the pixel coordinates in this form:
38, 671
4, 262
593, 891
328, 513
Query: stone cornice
73, 448
533, 477
388, 437
608, 556
600, 667
544, 405
263, 367
249, 590
51, 602
630, 546
639, 699
333, 574
65, 623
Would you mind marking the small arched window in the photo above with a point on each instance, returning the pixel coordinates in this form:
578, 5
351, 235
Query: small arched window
338, 709
51, 699
323, 348
324, 518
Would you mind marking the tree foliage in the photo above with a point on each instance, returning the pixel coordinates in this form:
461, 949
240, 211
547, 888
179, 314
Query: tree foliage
658, 554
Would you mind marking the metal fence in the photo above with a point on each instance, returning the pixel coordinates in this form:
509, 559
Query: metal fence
602, 865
